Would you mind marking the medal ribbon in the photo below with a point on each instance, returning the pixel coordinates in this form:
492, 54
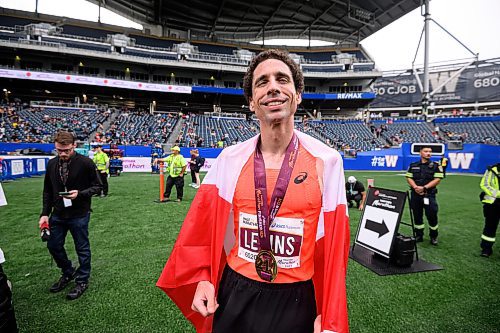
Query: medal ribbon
266, 215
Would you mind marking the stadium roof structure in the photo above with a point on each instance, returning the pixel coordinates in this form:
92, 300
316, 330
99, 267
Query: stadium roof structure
338, 21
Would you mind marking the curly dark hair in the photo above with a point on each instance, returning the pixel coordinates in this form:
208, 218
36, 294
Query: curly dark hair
298, 77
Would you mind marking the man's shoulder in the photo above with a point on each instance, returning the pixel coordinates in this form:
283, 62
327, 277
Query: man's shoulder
417, 163
52, 162
317, 148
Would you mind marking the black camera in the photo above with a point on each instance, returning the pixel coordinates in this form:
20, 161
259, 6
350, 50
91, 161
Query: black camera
44, 232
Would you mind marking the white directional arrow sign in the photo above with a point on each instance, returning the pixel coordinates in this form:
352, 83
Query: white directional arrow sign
377, 229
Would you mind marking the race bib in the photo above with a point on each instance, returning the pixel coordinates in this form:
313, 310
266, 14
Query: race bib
286, 236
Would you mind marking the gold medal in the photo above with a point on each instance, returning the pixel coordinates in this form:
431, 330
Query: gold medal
266, 266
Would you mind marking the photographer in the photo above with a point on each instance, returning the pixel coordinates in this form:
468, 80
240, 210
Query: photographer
355, 191
70, 182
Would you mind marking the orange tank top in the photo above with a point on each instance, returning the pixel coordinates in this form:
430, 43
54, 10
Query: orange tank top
292, 233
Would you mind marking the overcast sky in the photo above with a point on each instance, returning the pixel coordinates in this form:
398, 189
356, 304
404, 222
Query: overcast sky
476, 23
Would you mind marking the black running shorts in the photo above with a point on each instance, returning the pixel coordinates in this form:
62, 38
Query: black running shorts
249, 306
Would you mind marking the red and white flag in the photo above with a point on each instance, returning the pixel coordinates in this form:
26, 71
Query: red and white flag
206, 236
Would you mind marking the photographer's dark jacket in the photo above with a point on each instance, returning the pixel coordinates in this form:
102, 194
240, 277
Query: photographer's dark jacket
82, 176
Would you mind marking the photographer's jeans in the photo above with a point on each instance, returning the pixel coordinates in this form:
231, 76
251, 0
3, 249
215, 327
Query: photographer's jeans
79, 229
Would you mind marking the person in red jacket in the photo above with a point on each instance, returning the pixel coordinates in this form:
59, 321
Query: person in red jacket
264, 246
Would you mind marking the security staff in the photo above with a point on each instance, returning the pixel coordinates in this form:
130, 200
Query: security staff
101, 160
423, 177
490, 197
176, 166
443, 162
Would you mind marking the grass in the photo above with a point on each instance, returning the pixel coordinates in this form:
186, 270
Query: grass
131, 238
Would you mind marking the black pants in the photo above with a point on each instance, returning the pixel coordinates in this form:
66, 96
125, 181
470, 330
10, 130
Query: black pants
7, 317
193, 175
179, 186
357, 198
104, 181
79, 229
249, 306
431, 212
491, 214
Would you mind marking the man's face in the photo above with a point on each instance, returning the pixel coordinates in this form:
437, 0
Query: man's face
274, 97
426, 153
65, 151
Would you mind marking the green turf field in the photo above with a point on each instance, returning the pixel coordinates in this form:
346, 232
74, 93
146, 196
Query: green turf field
131, 238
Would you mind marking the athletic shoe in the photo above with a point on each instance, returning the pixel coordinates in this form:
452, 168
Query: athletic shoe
77, 291
62, 283
486, 253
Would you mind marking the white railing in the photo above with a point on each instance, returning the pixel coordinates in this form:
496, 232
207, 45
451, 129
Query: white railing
49, 104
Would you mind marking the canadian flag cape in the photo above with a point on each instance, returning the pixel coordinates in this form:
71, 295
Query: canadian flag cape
207, 236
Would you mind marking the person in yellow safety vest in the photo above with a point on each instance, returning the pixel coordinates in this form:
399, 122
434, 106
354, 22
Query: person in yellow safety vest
443, 162
176, 167
220, 144
490, 197
101, 160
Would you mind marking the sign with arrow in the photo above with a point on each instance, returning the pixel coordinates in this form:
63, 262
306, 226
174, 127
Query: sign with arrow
380, 220
379, 228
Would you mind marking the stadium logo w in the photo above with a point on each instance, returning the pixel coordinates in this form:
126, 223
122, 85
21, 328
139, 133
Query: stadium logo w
460, 160
391, 160
437, 79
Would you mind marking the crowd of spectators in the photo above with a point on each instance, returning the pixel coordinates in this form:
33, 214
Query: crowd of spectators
126, 126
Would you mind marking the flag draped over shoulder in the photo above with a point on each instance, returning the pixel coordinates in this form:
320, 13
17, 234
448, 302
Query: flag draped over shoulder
206, 236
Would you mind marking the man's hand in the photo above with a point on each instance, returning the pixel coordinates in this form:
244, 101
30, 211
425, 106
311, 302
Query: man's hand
420, 190
72, 194
361, 206
317, 324
43, 219
204, 300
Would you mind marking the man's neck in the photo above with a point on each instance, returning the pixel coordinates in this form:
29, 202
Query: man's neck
274, 141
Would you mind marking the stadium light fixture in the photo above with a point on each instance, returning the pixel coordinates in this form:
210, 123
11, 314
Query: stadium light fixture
360, 15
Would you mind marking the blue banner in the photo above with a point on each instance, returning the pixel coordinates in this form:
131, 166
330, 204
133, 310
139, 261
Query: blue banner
473, 158
19, 167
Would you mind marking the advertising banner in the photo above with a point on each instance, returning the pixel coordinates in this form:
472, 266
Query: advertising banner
476, 83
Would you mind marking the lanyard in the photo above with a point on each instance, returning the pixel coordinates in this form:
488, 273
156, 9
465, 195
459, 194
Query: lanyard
265, 214
64, 171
